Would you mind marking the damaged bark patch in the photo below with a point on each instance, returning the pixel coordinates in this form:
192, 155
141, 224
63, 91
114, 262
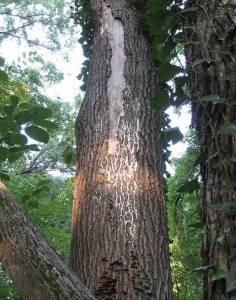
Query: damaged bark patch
116, 83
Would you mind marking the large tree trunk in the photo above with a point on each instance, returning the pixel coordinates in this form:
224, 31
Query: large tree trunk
120, 242
36, 270
210, 58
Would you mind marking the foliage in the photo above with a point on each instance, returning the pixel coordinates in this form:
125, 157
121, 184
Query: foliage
25, 112
20, 18
20, 120
47, 200
163, 36
185, 228
28, 118
82, 15
7, 291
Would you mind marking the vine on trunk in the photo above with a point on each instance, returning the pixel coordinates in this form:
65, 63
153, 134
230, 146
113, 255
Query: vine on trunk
166, 25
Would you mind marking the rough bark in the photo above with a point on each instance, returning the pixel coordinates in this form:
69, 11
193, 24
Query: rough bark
212, 31
36, 270
120, 243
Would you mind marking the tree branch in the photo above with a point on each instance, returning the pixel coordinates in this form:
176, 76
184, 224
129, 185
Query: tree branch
17, 28
27, 17
36, 270
34, 43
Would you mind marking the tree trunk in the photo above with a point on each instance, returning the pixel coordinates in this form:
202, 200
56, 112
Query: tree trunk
210, 59
36, 270
120, 242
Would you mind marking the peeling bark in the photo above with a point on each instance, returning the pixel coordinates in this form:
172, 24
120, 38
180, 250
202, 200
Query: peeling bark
212, 30
36, 270
114, 30
120, 243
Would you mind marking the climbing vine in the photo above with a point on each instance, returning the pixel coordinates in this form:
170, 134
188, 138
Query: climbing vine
81, 13
166, 24
161, 22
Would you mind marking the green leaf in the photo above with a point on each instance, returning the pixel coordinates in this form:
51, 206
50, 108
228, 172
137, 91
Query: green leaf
44, 182
37, 191
227, 128
204, 268
229, 5
9, 109
46, 124
167, 71
32, 147
233, 159
189, 187
5, 125
212, 98
83, 87
225, 52
16, 149
14, 154
173, 134
196, 225
217, 275
40, 113
26, 197
230, 281
67, 155
14, 127
37, 134
4, 176
3, 153
33, 204
25, 105
230, 187
161, 100
188, 10
224, 206
154, 6
17, 139
20, 139
14, 100
181, 95
232, 103
230, 77
2, 61
23, 117
3, 76
180, 82
221, 239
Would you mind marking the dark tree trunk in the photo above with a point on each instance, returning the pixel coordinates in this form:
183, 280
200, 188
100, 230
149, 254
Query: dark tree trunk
210, 58
120, 242
36, 270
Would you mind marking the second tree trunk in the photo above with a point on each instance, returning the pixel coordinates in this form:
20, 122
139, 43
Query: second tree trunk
211, 63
